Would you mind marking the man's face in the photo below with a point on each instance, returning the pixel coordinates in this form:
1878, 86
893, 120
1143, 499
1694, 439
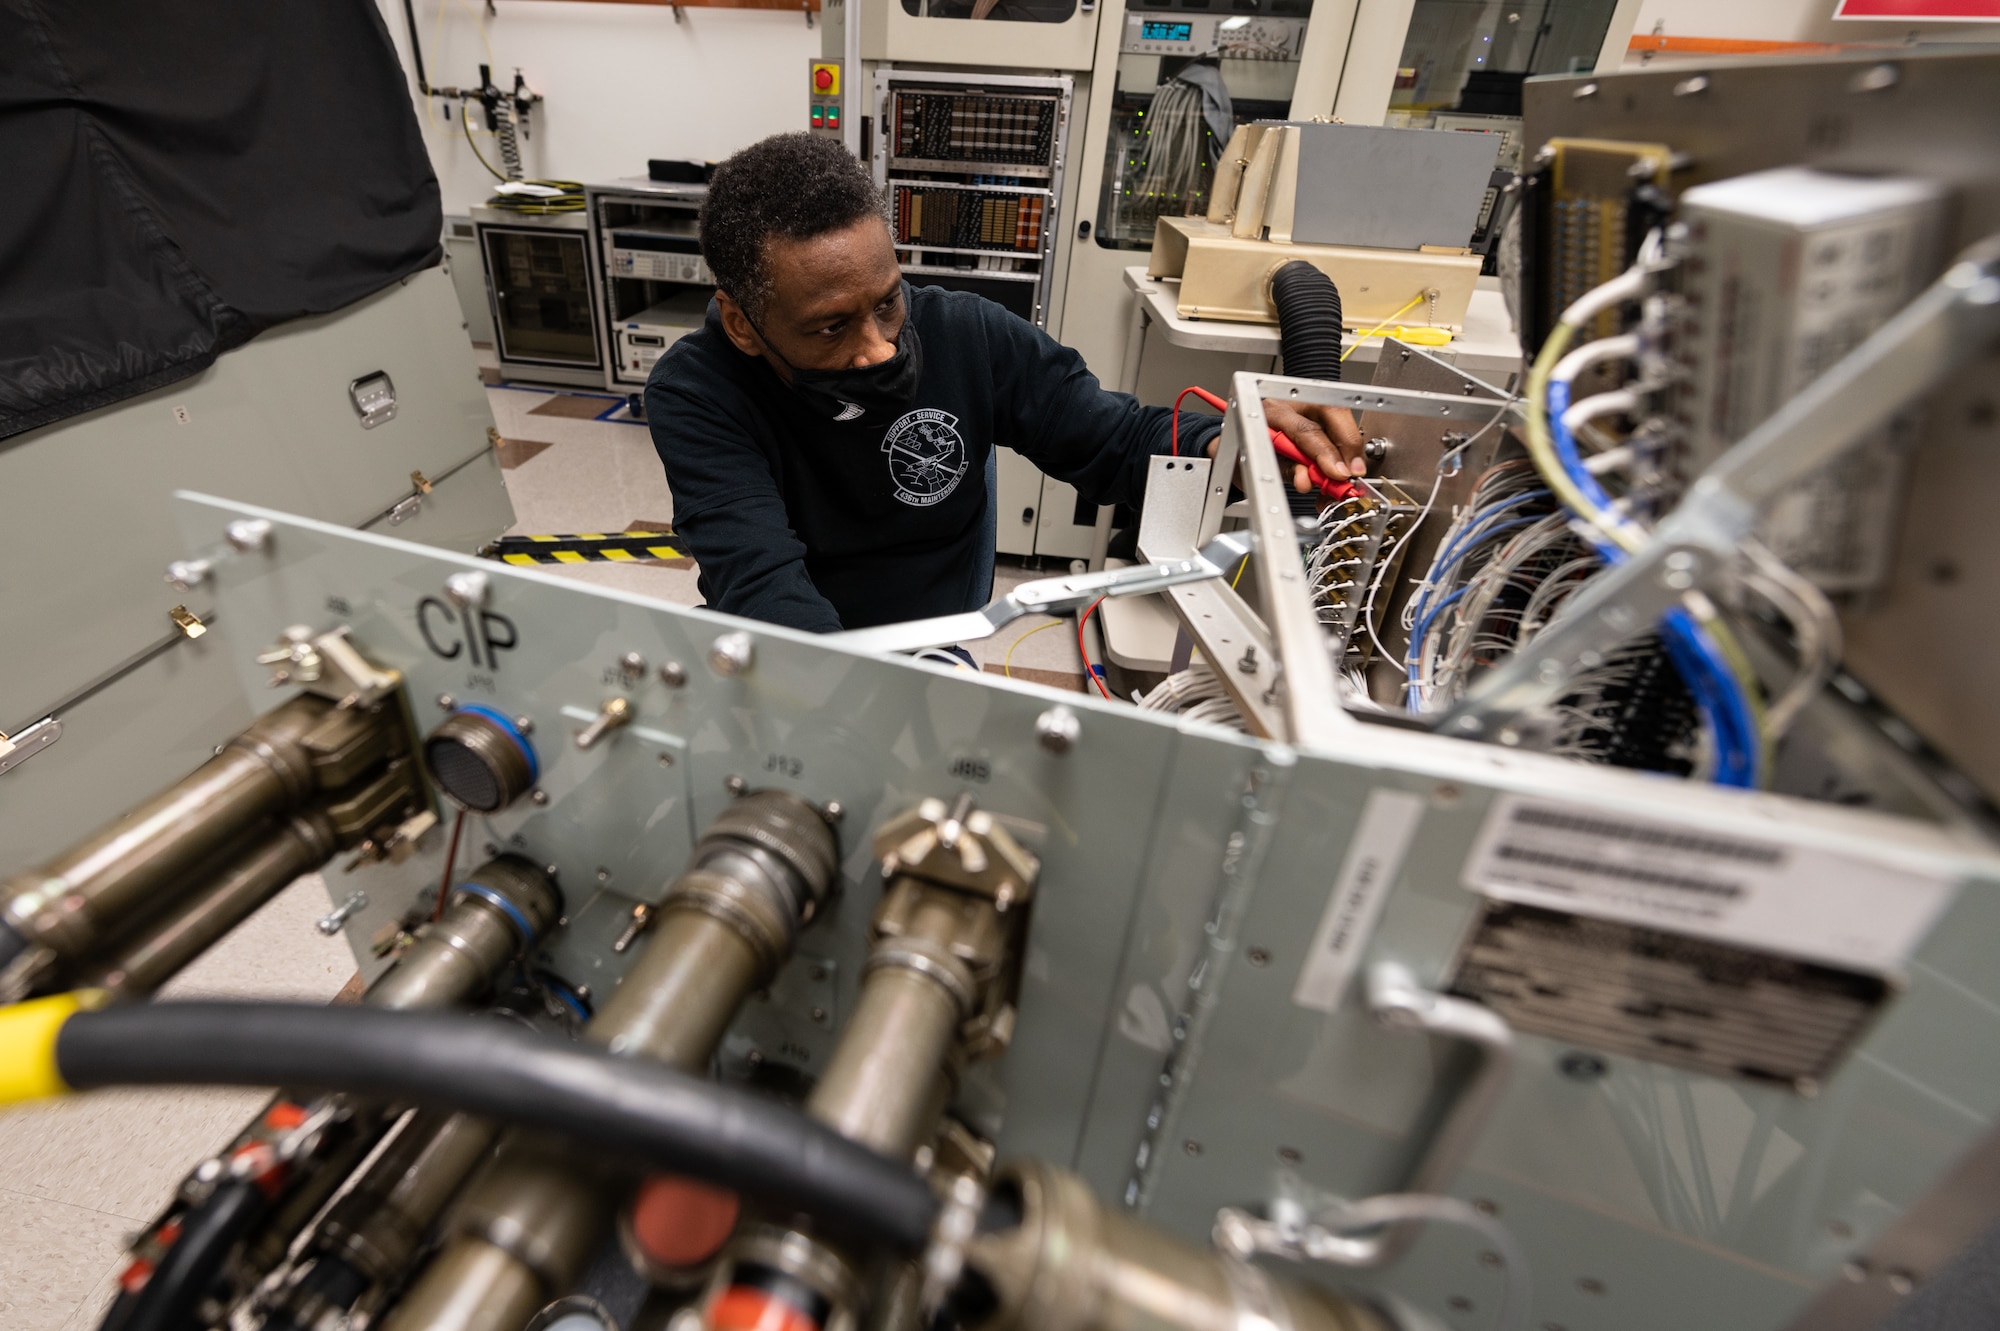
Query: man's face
836, 301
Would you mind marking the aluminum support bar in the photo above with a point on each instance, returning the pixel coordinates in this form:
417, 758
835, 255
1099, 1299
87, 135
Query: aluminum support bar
1051, 596
1306, 683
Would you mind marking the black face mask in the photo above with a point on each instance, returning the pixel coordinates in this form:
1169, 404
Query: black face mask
875, 394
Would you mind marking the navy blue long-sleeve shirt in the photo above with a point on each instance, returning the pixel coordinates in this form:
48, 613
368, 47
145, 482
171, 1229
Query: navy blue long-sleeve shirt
800, 521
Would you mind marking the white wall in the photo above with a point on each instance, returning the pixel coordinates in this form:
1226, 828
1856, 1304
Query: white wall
1792, 21
623, 83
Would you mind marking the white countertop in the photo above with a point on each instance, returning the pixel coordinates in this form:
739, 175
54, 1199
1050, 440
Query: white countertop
1487, 343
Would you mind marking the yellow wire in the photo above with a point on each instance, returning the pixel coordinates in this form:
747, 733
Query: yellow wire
1007, 661
1239, 573
479, 22
465, 119
1363, 337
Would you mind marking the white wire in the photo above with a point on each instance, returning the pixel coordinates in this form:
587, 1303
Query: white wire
1814, 621
1622, 347
1388, 559
1619, 401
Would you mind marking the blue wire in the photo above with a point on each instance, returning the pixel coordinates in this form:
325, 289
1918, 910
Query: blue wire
1469, 538
1719, 695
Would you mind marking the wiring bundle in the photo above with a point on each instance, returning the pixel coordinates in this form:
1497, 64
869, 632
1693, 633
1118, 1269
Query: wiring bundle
1533, 530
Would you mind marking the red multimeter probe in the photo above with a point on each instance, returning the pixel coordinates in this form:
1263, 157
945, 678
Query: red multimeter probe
1328, 487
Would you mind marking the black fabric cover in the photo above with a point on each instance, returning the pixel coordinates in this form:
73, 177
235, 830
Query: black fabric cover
181, 177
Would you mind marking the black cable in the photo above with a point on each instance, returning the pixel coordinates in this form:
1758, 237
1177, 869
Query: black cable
118, 1317
657, 1117
1309, 331
189, 1266
416, 47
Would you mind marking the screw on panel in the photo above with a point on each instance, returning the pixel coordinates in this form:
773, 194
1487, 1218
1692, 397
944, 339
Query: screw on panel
467, 589
731, 653
632, 665
736, 785
666, 759
538, 797
447, 703
248, 534
1058, 730
525, 724
1259, 956
833, 811
1876, 78
673, 674
1191, 1146
603, 874
187, 574
1578, 1065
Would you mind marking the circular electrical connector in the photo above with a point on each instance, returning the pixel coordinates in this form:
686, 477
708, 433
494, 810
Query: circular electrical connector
480, 758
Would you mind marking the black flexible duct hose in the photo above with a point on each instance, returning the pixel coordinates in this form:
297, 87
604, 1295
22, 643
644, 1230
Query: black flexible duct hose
1308, 321
167, 1301
658, 1117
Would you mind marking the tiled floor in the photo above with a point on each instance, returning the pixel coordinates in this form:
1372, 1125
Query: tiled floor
77, 1177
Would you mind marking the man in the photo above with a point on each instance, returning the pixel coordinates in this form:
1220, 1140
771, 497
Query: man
826, 432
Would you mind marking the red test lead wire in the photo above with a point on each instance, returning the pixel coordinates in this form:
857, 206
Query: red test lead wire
1089, 670
1327, 486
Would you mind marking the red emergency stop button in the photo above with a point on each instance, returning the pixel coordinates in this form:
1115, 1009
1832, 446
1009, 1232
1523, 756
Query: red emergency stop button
822, 78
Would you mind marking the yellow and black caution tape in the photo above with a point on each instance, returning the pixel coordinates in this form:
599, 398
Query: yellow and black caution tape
589, 547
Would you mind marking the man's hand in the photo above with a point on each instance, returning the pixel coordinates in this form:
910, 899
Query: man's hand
1327, 435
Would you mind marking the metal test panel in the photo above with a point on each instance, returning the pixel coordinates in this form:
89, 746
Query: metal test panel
1644, 1197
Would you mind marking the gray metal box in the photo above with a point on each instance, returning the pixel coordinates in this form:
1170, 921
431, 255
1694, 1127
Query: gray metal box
1395, 189
1786, 271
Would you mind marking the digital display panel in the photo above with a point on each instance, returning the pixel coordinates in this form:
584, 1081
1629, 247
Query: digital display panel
1155, 30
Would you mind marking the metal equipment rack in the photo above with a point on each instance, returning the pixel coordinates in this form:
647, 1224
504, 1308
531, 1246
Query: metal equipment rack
973, 168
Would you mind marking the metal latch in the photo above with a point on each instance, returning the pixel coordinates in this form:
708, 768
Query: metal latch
31, 741
374, 397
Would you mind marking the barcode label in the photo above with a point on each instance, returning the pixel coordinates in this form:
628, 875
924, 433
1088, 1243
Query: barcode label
1788, 899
